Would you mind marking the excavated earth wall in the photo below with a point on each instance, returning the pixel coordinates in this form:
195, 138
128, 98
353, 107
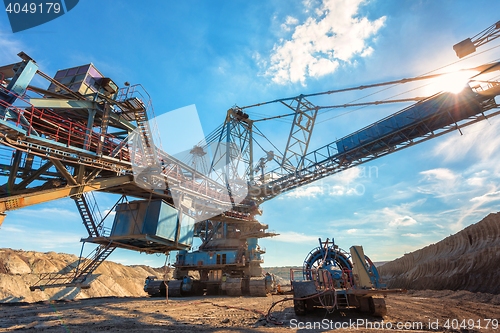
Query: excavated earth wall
21, 269
467, 260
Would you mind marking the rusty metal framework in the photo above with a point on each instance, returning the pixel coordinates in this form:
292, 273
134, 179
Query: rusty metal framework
76, 137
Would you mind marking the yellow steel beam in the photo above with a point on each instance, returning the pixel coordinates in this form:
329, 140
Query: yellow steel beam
53, 103
29, 199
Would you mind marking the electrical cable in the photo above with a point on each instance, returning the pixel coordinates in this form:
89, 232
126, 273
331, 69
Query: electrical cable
273, 320
365, 106
368, 86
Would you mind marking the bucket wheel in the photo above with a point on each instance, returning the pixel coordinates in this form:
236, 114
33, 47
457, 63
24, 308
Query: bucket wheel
323, 256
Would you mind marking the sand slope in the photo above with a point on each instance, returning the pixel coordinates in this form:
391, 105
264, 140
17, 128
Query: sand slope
467, 260
21, 269
464, 261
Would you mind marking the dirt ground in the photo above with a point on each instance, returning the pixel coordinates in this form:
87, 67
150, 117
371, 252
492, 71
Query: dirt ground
419, 311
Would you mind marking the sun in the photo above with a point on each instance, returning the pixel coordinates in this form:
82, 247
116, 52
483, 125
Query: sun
453, 82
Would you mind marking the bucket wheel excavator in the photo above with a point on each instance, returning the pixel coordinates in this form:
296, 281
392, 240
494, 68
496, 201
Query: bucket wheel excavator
82, 133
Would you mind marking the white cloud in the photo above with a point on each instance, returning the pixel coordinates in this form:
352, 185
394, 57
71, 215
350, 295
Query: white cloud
440, 182
110, 214
61, 213
305, 192
37, 239
334, 33
9, 49
290, 21
402, 221
294, 237
53, 240
367, 52
385, 221
402, 215
439, 174
476, 181
488, 197
12, 229
473, 189
348, 176
413, 235
476, 186
473, 193
347, 182
479, 142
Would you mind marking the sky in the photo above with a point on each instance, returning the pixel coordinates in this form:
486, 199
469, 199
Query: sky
217, 54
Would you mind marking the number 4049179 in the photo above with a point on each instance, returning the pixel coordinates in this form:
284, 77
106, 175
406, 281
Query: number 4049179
456, 324
33, 8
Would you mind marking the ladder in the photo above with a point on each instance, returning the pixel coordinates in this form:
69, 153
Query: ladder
145, 134
135, 103
144, 154
342, 301
87, 207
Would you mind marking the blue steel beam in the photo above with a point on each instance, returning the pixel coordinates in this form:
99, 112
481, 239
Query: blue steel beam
422, 121
21, 80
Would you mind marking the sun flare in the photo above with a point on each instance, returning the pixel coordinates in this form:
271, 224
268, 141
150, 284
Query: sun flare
453, 82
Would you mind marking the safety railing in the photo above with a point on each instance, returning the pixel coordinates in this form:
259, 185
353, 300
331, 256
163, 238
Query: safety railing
139, 92
52, 126
104, 231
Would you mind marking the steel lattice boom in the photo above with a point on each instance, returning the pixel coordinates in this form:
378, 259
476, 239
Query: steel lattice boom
83, 134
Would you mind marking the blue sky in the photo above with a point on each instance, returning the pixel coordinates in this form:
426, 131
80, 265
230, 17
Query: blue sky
215, 54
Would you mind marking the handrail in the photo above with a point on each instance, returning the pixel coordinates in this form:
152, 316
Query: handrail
58, 128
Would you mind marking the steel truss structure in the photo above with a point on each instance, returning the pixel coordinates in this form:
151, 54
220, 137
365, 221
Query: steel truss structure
84, 134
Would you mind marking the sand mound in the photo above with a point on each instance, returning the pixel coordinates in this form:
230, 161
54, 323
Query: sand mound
21, 269
466, 260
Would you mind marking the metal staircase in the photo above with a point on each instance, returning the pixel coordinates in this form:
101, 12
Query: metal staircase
144, 131
77, 275
136, 106
342, 301
98, 256
89, 212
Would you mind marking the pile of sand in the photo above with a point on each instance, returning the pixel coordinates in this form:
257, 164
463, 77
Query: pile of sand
21, 269
466, 260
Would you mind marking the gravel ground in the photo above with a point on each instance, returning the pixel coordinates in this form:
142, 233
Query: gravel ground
420, 311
